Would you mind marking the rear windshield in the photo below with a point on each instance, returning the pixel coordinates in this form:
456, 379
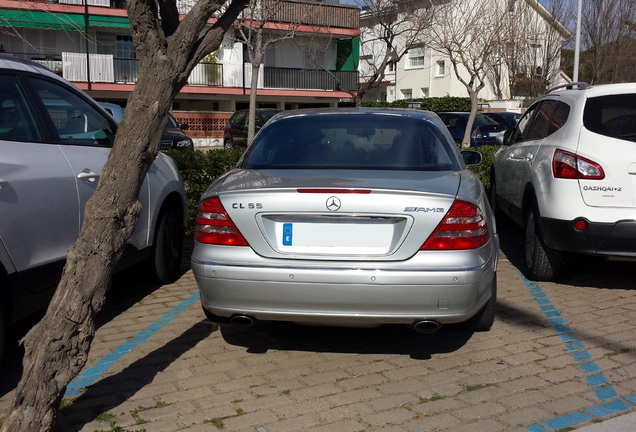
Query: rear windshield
355, 141
613, 116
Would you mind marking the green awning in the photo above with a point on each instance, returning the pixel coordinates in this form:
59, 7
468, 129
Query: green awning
106, 21
57, 21
41, 20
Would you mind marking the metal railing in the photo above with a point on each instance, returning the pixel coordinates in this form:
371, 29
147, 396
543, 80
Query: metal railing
106, 68
310, 79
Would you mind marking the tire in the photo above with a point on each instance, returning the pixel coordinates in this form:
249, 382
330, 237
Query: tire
542, 263
485, 318
165, 260
228, 144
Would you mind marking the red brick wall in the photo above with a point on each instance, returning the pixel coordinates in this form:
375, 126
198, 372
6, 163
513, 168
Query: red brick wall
203, 124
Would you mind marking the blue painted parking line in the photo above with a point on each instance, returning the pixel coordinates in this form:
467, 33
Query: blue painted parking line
89, 376
603, 389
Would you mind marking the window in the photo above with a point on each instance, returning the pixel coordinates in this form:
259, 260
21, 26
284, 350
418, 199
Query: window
16, 119
76, 120
125, 48
613, 116
407, 94
441, 68
416, 58
360, 142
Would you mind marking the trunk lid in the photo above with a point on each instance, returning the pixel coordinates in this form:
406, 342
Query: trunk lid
351, 215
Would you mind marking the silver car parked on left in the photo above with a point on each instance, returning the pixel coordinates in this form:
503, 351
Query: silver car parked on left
54, 142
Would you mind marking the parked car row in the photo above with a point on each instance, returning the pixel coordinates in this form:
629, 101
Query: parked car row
484, 131
567, 174
54, 142
174, 136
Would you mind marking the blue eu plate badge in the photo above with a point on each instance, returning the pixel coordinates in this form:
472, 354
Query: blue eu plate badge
287, 234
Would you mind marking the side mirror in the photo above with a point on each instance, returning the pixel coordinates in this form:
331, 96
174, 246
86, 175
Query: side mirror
472, 157
504, 137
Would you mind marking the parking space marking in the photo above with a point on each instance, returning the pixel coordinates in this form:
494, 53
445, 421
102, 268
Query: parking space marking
91, 374
603, 389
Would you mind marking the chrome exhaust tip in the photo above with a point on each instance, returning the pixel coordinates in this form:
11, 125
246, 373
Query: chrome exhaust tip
242, 321
426, 326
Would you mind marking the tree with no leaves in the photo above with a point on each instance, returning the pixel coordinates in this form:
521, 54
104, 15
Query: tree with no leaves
256, 33
56, 349
468, 33
389, 29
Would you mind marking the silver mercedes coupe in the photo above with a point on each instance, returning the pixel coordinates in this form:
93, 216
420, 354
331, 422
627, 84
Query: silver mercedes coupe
349, 217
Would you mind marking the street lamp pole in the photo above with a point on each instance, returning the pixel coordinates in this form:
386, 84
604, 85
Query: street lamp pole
577, 46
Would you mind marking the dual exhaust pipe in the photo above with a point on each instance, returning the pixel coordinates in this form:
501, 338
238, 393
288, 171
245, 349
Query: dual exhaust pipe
425, 326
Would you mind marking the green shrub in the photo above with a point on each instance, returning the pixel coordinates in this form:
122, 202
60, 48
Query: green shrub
435, 104
483, 169
198, 170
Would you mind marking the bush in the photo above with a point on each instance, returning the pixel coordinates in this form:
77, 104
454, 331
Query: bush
483, 169
198, 170
435, 104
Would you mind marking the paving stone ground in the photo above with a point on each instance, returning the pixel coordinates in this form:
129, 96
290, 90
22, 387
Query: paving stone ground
525, 374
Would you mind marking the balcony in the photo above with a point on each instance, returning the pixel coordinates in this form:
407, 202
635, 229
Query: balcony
305, 12
105, 68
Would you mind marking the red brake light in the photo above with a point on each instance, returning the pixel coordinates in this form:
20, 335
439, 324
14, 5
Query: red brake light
476, 133
566, 165
463, 227
214, 226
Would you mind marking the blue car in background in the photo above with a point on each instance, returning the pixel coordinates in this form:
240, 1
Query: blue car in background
484, 132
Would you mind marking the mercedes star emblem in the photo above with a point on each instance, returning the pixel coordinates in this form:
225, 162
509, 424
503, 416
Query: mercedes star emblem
333, 203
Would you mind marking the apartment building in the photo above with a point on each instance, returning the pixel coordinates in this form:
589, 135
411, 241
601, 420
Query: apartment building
301, 72
528, 58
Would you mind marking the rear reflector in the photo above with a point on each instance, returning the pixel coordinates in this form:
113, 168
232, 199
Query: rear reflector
214, 226
464, 227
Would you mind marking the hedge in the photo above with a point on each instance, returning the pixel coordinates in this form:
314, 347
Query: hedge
198, 170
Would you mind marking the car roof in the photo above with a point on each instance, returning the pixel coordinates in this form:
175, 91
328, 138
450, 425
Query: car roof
15, 63
401, 112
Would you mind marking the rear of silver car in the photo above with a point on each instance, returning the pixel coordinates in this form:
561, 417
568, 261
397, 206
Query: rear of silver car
328, 244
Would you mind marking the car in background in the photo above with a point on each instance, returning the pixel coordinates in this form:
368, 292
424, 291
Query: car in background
235, 134
173, 136
566, 174
484, 131
505, 118
356, 217
54, 142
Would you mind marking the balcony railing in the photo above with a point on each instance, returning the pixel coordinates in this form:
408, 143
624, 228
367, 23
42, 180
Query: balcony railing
108, 69
310, 79
318, 14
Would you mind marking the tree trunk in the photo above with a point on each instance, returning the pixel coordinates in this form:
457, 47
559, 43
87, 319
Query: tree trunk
56, 349
251, 126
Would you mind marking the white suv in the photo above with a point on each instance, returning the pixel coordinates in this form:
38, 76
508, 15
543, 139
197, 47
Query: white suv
567, 174
54, 142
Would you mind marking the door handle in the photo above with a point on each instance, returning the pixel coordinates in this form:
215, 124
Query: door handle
88, 175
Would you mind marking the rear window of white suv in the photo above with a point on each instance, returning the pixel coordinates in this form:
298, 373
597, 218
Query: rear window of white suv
612, 115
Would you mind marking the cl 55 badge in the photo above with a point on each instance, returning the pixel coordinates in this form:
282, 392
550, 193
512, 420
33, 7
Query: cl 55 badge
247, 205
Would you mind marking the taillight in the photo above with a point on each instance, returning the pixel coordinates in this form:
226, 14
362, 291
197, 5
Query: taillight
476, 133
566, 165
464, 227
214, 226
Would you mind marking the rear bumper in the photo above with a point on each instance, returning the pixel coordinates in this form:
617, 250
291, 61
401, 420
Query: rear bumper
612, 239
345, 296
